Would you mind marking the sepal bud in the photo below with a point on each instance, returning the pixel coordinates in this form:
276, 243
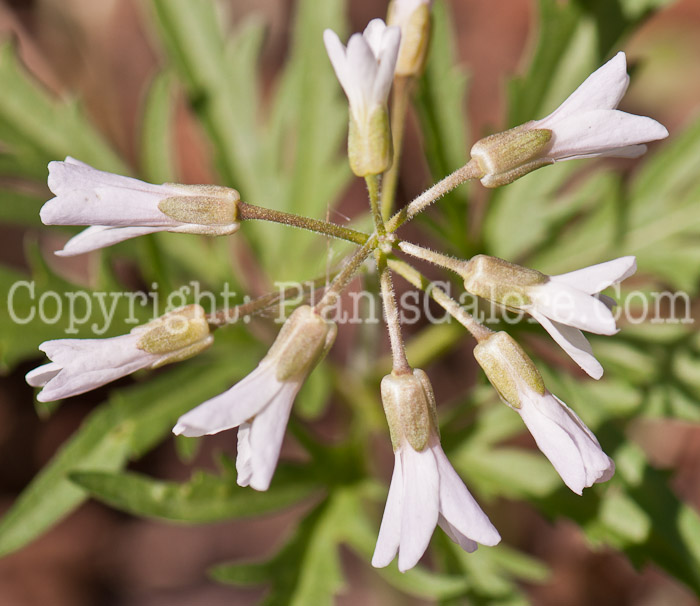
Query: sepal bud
414, 22
500, 281
302, 342
507, 156
370, 148
211, 209
508, 367
175, 336
409, 404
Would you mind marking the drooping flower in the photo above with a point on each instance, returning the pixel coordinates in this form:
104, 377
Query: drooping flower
365, 70
559, 433
80, 365
413, 17
586, 125
425, 489
119, 208
260, 404
563, 304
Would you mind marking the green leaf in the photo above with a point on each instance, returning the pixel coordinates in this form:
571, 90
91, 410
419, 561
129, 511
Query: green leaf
38, 128
157, 130
128, 425
205, 498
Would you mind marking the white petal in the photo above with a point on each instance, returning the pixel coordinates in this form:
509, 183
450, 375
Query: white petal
336, 53
458, 506
420, 505
565, 440
266, 435
603, 89
43, 374
231, 408
374, 34
390, 530
387, 65
100, 236
597, 278
90, 363
572, 341
562, 303
599, 132
362, 71
457, 537
244, 456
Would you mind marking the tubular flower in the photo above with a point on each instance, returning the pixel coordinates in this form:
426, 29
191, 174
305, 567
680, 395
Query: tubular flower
80, 365
365, 70
425, 489
563, 304
559, 433
261, 403
118, 208
586, 125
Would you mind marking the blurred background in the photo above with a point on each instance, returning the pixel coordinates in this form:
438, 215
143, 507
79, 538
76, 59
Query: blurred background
105, 54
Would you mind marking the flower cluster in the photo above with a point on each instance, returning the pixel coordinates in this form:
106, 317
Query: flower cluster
425, 490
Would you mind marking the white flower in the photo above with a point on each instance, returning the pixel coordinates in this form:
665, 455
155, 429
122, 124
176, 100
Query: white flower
119, 208
365, 68
563, 438
586, 125
564, 304
260, 404
366, 71
80, 365
426, 491
568, 303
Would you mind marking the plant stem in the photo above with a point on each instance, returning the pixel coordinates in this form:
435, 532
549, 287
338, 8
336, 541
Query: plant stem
399, 109
393, 322
234, 314
252, 212
469, 171
373, 187
343, 278
451, 263
412, 275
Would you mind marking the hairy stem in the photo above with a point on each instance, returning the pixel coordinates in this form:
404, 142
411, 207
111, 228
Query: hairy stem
413, 276
252, 212
451, 263
374, 189
469, 171
393, 322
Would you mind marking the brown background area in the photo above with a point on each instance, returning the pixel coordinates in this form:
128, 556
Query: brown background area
103, 52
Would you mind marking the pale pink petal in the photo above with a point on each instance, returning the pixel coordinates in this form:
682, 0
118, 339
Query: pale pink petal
390, 530
458, 506
265, 437
572, 341
597, 278
100, 236
457, 537
231, 408
601, 132
420, 505
42, 375
603, 89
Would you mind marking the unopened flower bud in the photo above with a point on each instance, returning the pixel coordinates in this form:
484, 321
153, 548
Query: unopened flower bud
409, 404
303, 341
505, 157
175, 336
210, 209
508, 367
500, 281
370, 149
413, 17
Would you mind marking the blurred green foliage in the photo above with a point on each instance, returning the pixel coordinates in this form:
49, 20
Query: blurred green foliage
285, 154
